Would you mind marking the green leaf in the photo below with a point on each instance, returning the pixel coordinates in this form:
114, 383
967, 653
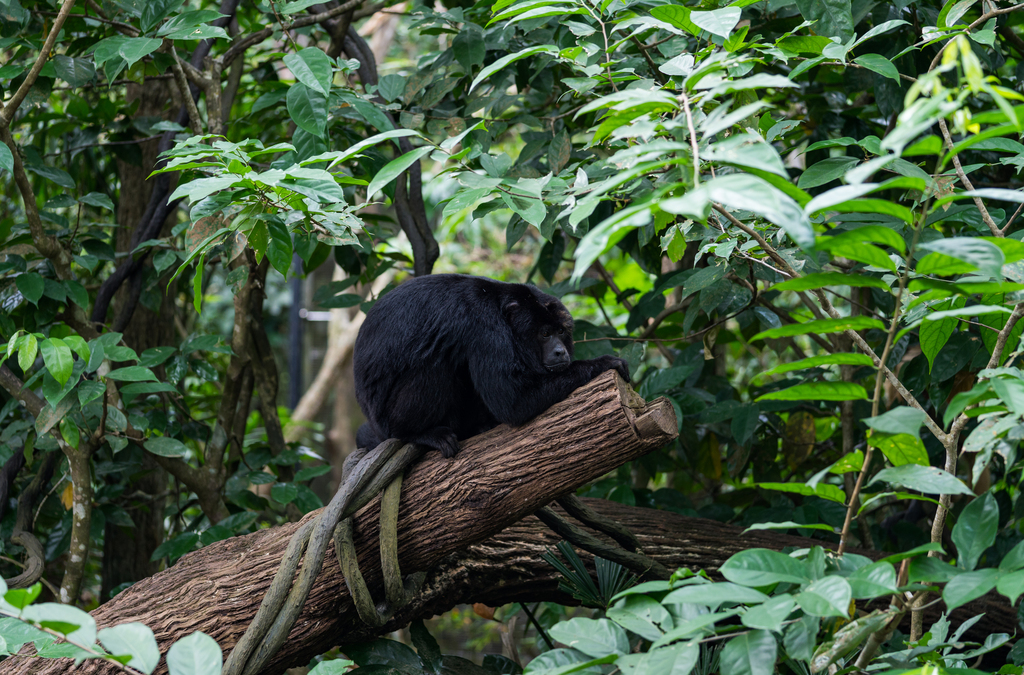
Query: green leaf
312, 68
27, 352
879, 64
677, 659
31, 286
511, 58
926, 479
197, 654
284, 493
677, 16
900, 420
821, 326
308, 109
132, 374
6, 158
133, 49
89, 390
977, 253
468, 46
975, 530
756, 567
714, 595
823, 490
279, 248
57, 357
869, 254
933, 335
819, 391
969, 586
595, 638
719, 21
873, 581
752, 653
75, 72
840, 359
825, 171
828, 596
166, 446
771, 614
823, 279
1011, 585
392, 169
833, 18
134, 640
901, 449
642, 615
74, 623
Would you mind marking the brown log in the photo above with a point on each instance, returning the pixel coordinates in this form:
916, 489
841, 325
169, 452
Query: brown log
497, 479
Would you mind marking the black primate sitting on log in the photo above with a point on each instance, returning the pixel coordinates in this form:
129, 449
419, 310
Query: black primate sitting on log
445, 357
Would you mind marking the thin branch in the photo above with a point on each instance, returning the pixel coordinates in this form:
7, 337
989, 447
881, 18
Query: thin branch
7, 115
966, 182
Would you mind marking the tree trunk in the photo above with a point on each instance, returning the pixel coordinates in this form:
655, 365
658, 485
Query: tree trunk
497, 479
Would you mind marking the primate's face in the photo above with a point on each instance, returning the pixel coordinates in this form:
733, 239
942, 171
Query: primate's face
555, 352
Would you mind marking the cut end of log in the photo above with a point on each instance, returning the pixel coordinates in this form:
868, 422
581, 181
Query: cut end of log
655, 421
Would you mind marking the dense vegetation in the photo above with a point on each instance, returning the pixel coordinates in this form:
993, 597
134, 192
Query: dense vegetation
798, 220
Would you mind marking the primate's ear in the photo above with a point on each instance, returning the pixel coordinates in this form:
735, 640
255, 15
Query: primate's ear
509, 306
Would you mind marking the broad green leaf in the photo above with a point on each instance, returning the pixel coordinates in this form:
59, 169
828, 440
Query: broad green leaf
31, 286
751, 653
926, 479
1011, 585
861, 251
75, 72
677, 659
132, 374
469, 47
823, 490
901, 449
642, 615
823, 279
841, 359
714, 595
899, 420
975, 530
879, 64
1014, 560
196, 654
595, 638
833, 18
821, 326
848, 638
392, 169
828, 596
133, 49
873, 581
6, 158
27, 351
756, 567
511, 58
166, 446
1000, 194
68, 620
89, 390
308, 108
969, 586
718, 22
825, 171
933, 335
135, 640
678, 16
696, 626
312, 68
769, 615
57, 358
980, 254
819, 391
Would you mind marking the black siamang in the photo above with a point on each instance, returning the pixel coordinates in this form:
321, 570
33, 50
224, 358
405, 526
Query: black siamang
445, 357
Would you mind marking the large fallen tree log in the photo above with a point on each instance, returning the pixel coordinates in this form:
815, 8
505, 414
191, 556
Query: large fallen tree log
218, 589
497, 479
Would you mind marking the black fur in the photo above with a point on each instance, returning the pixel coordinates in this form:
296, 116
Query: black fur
445, 357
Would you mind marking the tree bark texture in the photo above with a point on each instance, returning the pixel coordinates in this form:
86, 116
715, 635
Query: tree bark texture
497, 479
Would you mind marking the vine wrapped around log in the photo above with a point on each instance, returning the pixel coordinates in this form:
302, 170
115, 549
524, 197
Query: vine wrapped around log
497, 478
